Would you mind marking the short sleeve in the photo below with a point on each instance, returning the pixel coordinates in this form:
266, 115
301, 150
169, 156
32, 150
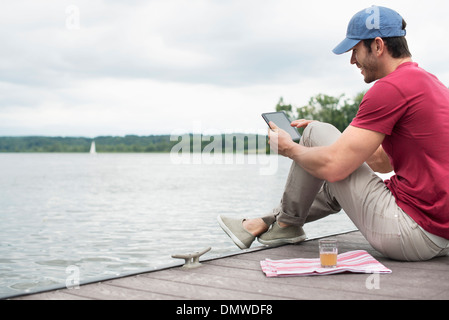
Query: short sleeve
381, 108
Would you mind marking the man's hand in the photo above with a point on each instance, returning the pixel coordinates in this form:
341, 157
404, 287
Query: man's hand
280, 141
301, 123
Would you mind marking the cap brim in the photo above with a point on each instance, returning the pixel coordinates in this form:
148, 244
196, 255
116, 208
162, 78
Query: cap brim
346, 45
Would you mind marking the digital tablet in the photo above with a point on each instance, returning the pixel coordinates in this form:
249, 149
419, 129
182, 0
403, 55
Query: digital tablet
281, 120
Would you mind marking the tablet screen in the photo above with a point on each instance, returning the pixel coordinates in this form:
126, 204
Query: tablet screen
281, 120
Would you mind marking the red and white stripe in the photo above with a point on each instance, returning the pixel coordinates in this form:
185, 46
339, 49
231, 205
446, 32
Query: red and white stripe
358, 261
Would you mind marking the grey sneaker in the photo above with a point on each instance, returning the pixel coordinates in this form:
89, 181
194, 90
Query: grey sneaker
234, 229
277, 235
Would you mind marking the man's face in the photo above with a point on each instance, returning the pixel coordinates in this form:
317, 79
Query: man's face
366, 61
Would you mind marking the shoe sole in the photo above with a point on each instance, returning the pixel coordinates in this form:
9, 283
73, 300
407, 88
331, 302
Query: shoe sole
278, 242
236, 240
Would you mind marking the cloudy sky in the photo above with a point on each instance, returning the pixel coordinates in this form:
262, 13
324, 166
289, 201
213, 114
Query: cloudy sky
89, 68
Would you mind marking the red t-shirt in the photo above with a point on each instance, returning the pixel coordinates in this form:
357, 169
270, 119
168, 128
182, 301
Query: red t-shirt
411, 107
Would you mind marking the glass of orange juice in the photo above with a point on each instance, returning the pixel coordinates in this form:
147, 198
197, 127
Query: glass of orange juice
328, 253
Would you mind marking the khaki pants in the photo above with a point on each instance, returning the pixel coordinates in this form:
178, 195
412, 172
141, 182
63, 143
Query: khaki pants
365, 199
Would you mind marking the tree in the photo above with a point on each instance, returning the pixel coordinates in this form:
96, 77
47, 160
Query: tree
339, 111
287, 108
327, 109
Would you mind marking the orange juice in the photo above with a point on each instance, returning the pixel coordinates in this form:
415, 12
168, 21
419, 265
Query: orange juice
328, 252
328, 259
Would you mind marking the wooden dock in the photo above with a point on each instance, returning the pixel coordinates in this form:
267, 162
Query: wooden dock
239, 277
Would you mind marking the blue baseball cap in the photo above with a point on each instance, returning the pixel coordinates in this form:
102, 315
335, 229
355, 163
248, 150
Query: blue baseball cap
371, 23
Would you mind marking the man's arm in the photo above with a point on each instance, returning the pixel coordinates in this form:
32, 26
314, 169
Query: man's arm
334, 162
379, 161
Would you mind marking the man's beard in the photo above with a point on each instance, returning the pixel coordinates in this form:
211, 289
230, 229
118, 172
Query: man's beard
370, 69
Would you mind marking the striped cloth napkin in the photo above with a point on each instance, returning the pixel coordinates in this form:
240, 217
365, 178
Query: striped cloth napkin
358, 261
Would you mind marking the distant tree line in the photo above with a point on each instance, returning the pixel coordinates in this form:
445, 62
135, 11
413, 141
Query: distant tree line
129, 143
134, 143
44, 144
247, 143
338, 111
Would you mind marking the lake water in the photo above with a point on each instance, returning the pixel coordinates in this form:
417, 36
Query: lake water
105, 215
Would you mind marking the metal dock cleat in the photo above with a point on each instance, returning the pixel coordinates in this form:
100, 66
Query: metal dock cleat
192, 260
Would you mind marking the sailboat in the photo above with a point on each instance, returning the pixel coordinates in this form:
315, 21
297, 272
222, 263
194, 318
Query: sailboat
92, 148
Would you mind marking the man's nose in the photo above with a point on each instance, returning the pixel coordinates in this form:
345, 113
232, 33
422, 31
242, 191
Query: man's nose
353, 58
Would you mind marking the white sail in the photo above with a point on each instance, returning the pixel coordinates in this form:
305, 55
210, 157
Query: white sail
92, 147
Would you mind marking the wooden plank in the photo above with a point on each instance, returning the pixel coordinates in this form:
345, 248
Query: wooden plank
267, 288
109, 291
51, 295
180, 287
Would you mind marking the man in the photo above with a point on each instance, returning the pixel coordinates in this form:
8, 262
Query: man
401, 125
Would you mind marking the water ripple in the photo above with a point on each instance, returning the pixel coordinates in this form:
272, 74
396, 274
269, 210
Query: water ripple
118, 213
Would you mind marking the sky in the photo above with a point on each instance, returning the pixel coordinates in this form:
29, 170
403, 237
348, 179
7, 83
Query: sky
92, 68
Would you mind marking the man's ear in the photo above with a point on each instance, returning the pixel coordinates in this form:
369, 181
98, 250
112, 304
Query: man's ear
378, 46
